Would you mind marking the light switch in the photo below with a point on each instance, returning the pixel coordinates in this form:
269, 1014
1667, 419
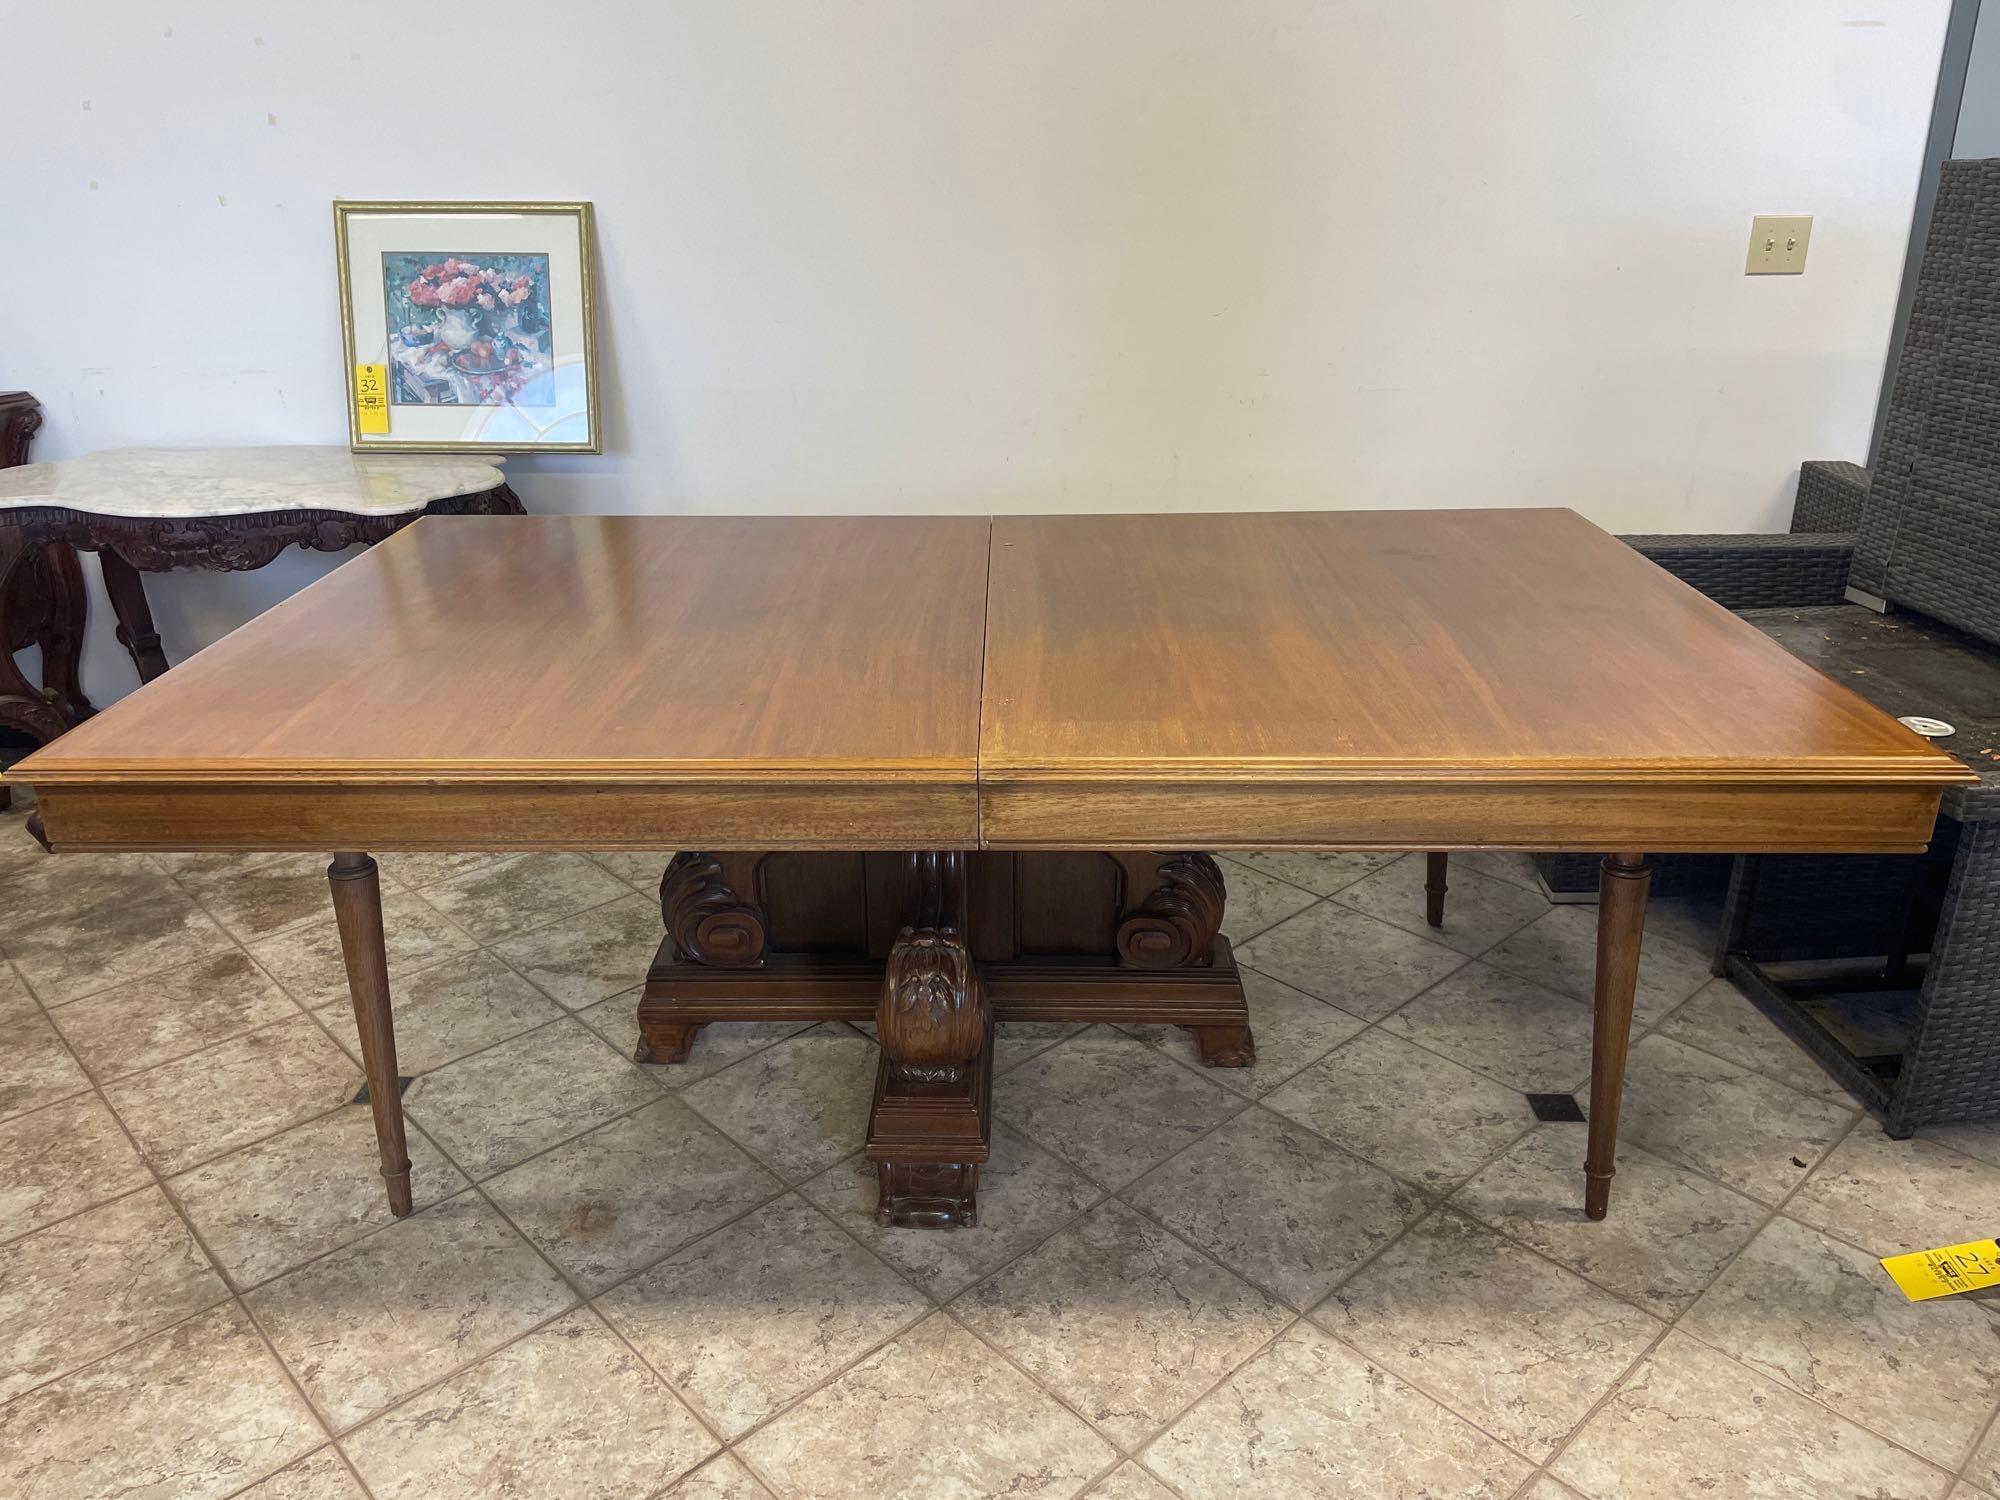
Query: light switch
1778, 244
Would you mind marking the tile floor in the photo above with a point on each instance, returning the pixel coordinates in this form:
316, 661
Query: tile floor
1356, 1269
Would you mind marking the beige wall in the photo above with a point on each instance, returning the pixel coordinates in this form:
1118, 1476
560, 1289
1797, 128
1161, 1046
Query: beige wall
1058, 254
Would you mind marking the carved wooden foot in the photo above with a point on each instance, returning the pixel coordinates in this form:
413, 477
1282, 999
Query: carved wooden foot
929, 1127
715, 918
666, 1041
1225, 1046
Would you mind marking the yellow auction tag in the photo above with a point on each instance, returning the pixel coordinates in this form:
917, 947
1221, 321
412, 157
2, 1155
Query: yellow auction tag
371, 398
1940, 1273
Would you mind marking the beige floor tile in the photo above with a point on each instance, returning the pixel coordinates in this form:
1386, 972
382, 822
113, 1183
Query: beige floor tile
721, 1478
1984, 1469
307, 961
1311, 1417
1521, 1347
268, 896
1277, 1204
1548, 1488
1894, 1196
35, 1067
1121, 1320
1823, 1318
317, 1476
195, 870
1964, 1491
1253, 902
1130, 1482
1479, 911
186, 1112
1514, 1031
1322, 874
1559, 949
1667, 1235
801, 1105
388, 1314
1718, 1019
523, 891
38, 889
1025, 1195
642, 868
500, 1106
568, 1410
318, 1186
1750, 1131
1501, 864
1109, 1105
584, 958
1014, 1042
417, 871
760, 1312
61, 1160
1349, 959
715, 1047
1690, 1422
171, 1015
15, 999
934, 1414
448, 1010
94, 1283
198, 1411
617, 1199
1429, 1121
1979, 1139
1291, 1029
65, 960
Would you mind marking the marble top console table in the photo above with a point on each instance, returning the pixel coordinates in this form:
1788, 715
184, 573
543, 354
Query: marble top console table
151, 510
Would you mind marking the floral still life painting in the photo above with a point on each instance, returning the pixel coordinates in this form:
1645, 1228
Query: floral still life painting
468, 330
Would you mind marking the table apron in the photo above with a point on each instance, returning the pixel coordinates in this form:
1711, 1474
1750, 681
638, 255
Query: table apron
512, 815
1655, 817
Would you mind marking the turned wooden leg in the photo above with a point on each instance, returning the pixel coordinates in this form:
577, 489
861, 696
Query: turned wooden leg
1435, 868
357, 905
61, 633
930, 1125
1621, 923
135, 617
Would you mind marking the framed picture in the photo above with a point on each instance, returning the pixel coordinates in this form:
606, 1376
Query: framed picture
468, 326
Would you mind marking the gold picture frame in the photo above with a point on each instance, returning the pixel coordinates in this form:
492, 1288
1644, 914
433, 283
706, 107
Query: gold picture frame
468, 326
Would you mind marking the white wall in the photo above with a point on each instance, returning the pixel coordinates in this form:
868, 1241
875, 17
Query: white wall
911, 255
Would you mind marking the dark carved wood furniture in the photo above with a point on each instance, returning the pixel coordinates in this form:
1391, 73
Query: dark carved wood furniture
41, 604
884, 734
151, 510
903, 940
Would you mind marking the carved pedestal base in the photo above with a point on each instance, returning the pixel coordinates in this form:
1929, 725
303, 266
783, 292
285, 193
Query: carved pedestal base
933, 948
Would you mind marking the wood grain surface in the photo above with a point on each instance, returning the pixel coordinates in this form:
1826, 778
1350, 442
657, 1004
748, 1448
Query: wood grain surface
1429, 679
1424, 678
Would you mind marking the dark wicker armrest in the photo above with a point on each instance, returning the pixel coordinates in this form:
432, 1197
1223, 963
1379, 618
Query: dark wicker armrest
1829, 497
1787, 571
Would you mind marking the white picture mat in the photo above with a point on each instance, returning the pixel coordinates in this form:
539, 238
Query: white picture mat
557, 234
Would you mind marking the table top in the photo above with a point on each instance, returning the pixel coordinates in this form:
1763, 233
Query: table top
1346, 679
183, 482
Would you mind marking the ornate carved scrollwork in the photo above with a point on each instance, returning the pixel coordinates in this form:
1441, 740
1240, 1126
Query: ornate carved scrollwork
239, 544
709, 916
930, 1020
1175, 926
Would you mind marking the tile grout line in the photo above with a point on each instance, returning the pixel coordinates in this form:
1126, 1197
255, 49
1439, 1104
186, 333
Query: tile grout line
231, 1295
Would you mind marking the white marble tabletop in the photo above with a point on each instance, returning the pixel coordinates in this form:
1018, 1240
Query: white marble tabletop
246, 481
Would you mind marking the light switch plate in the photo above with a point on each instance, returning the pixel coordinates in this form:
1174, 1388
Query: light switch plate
1778, 244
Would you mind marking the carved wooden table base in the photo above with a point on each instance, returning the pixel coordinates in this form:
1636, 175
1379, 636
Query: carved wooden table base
934, 947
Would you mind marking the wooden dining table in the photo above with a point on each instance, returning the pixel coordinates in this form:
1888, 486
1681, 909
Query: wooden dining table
934, 771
